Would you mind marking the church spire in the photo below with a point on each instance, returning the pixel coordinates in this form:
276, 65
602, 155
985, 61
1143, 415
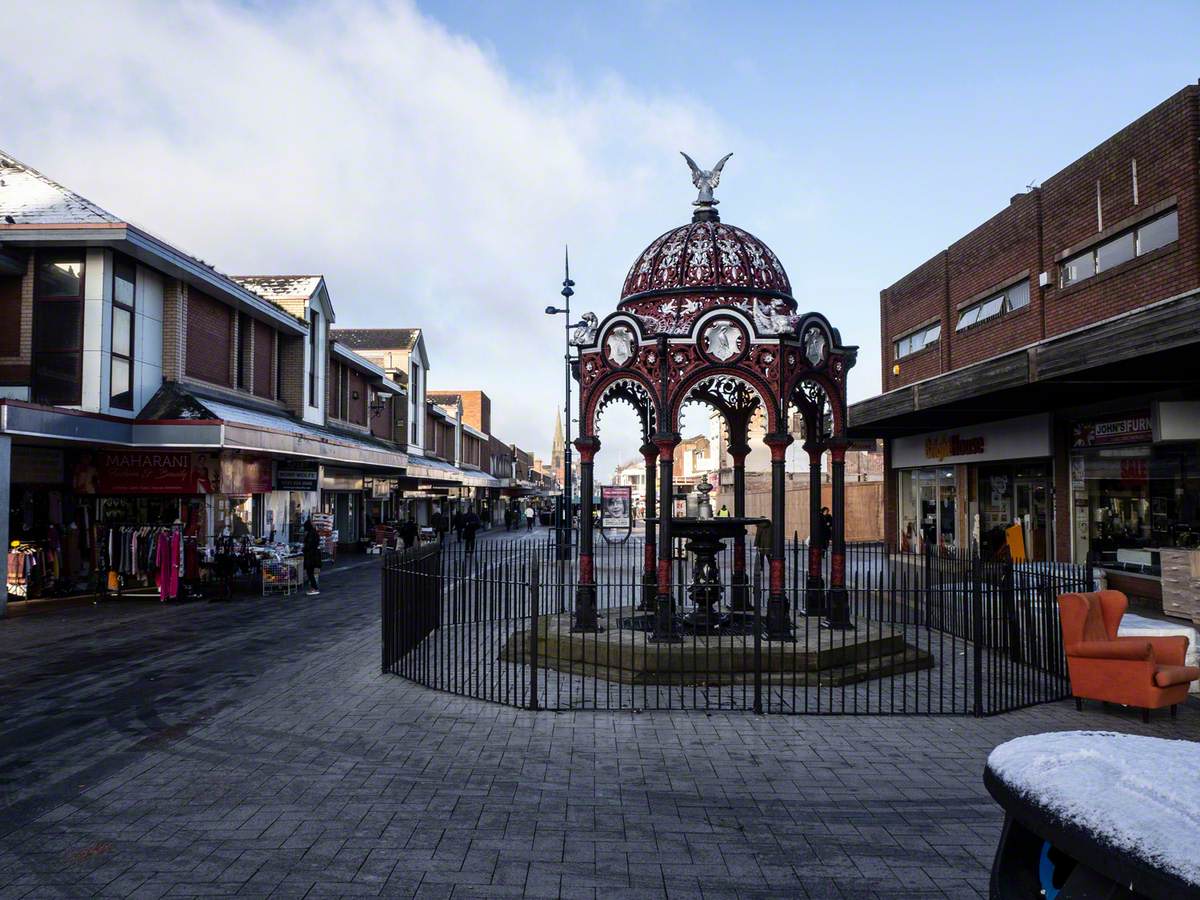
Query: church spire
556, 452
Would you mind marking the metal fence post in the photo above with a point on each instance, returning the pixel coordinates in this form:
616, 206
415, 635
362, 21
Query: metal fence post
977, 632
533, 633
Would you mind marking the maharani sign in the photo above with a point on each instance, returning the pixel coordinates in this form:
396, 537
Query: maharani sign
146, 472
943, 446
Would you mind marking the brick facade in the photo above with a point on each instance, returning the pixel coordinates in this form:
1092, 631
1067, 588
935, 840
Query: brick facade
264, 360
209, 339
293, 383
1087, 202
16, 325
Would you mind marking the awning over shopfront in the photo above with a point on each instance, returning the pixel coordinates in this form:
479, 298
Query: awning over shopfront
427, 468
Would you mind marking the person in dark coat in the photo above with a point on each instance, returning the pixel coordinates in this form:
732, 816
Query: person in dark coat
408, 533
824, 529
458, 520
440, 526
470, 526
312, 557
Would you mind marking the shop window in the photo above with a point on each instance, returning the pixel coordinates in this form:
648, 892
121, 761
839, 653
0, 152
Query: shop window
58, 329
928, 510
120, 376
1130, 502
1147, 237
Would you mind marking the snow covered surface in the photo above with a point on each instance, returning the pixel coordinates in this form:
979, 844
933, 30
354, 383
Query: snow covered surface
1140, 794
1134, 626
31, 198
280, 287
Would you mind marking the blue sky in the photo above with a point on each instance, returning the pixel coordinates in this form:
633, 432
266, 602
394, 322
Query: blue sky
432, 160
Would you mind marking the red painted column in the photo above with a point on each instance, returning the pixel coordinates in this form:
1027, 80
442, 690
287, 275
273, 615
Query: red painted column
665, 628
814, 599
779, 620
838, 600
585, 618
650, 555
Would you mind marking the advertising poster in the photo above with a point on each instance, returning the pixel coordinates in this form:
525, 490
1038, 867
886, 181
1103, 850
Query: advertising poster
616, 506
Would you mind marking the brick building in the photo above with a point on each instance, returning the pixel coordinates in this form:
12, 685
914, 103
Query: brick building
1041, 370
141, 388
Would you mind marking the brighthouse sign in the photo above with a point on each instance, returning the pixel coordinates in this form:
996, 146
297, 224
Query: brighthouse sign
945, 446
1027, 437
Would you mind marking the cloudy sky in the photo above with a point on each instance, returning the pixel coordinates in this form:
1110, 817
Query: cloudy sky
433, 159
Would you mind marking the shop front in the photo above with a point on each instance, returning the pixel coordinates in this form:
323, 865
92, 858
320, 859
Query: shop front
1135, 496
295, 495
342, 498
966, 489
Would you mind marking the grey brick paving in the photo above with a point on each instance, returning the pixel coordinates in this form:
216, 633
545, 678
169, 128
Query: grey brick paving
252, 749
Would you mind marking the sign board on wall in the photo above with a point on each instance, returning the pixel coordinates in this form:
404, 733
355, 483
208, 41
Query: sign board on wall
616, 505
1126, 428
296, 476
146, 472
1027, 437
242, 474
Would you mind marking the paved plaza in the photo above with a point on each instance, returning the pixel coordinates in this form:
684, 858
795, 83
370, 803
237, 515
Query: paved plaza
252, 748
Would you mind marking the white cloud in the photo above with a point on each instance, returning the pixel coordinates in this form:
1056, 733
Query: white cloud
368, 143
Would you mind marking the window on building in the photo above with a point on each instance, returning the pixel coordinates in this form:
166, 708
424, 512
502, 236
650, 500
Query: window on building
120, 376
918, 340
1012, 298
1158, 233
1147, 237
244, 355
58, 329
314, 361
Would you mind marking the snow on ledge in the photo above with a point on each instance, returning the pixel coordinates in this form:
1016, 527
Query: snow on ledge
1140, 794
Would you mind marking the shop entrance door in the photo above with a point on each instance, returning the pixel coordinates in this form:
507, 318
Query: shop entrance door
1032, 508
344, 519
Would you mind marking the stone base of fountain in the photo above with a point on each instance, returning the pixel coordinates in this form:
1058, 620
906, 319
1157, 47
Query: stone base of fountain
619, 654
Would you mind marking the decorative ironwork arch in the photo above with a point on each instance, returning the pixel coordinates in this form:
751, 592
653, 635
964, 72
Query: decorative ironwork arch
622, 387
733, 392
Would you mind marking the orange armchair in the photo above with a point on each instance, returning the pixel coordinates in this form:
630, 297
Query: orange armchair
1146, 672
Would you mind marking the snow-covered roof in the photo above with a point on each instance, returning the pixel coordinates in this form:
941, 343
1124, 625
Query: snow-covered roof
34, 207
27, 197
280, 287
1140, 795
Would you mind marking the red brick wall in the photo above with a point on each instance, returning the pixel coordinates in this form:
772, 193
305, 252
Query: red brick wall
1034, 231
916, 298
988, 257
264, 360
209, 331
381, 425
1164, 144
358, 408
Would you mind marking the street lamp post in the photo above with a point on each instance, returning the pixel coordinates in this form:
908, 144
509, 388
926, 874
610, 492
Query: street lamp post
564, 521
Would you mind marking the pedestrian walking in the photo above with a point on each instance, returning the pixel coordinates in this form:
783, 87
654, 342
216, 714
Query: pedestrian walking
440, 526
458, 523
470, 527
312, 557
408, 533
529, 514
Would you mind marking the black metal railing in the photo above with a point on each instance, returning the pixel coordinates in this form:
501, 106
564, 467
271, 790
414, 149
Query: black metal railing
932, 634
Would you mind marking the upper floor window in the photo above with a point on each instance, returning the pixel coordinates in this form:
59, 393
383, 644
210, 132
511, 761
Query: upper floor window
1012, 298
918, 340
58, 329
1158, 232
124, 295
314, 360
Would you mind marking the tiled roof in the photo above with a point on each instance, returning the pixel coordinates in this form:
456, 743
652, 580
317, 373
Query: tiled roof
280, 287
27, 197
377, 338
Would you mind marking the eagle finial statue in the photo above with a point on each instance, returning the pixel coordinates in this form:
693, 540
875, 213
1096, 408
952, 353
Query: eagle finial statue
705, 179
